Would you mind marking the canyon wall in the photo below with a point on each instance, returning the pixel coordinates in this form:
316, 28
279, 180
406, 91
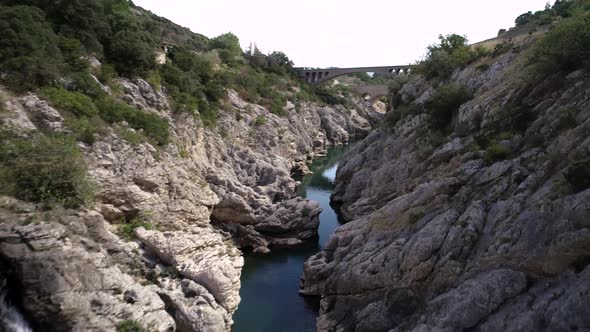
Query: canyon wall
86, 270
485, 227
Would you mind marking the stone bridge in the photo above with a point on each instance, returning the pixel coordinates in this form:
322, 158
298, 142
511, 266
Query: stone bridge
318, 76
370, 92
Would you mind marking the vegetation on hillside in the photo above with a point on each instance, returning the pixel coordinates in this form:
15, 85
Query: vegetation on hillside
46, 169
564, 48
49, 46
444, 103
450, 53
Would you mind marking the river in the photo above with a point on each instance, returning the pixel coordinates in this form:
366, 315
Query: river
270, 282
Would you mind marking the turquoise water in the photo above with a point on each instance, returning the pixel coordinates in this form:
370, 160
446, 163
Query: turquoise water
270, 282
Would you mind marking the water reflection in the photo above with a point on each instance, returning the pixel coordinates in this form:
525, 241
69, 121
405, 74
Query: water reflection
270, 283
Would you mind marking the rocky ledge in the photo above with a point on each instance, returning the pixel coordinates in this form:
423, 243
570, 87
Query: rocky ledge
445, 234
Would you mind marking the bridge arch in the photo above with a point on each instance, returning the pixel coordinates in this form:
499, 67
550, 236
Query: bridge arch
318, 76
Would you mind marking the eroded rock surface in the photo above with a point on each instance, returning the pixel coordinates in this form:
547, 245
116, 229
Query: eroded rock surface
442, 237
66, 265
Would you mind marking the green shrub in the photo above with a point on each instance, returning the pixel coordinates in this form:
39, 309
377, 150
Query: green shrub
193, 85
565, 48
444, 103
74, 102
578, 175
45, 169
451, 53
153, 125
277, 105
259, 121
496, 152
131, 136
128, 228
107, 73
228, 46
82, 128
86, 84
130, 326
73, 53
131, 54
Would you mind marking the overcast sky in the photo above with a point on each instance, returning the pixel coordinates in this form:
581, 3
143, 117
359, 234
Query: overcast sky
344, 33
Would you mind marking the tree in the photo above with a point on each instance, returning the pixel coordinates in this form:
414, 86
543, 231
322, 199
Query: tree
29, 56
280, 63
452, 42
228, 46
130, 54
450, 53
523, 19
564, 48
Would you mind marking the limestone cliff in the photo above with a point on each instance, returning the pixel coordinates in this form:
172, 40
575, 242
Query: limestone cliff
78, 269
446, 235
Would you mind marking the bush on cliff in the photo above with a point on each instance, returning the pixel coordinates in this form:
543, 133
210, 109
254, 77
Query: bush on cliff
153, 125
44, 169
74, 102
444, 103
565, 48
131, 54
450, 53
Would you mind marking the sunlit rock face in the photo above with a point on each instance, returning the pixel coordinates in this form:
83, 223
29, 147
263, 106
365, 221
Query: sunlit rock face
443, 237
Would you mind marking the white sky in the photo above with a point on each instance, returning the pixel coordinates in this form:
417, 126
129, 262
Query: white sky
344, 33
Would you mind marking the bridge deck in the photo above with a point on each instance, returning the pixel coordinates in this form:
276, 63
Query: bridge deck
318, 76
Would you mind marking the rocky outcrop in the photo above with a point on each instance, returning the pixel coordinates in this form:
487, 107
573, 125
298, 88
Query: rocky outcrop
445, 236
66, 266
238, 174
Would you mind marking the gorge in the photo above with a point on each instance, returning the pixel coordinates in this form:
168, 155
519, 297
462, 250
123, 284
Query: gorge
216, 190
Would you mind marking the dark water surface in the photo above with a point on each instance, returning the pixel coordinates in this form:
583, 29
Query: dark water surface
270, 282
